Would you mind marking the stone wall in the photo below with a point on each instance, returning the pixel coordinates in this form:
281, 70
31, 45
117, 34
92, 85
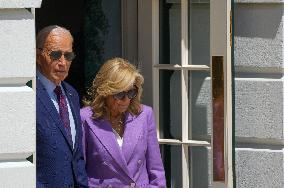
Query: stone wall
17, 101
259, 94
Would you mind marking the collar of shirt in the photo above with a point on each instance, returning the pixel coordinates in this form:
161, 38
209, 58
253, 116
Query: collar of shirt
48, 85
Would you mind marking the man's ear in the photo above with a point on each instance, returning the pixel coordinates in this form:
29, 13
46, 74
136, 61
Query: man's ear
38, 56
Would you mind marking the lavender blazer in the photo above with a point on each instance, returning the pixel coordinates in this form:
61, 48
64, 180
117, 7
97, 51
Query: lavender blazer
138, 164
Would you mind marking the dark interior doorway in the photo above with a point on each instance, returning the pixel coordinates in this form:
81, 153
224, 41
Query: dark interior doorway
96, 28
69, 14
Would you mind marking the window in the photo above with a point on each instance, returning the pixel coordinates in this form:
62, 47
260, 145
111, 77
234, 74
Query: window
182, 50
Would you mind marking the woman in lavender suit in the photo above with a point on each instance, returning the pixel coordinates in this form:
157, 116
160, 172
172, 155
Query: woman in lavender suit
120, 139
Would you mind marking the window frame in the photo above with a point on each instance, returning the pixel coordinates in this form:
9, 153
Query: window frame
220, 29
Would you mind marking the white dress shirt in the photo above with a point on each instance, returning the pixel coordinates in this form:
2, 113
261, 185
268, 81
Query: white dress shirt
118, 138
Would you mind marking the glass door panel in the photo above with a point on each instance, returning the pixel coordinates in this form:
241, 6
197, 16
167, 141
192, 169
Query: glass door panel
200, 167
170, 27
170, 102
200, 106
190, 34
170, 156
199, 32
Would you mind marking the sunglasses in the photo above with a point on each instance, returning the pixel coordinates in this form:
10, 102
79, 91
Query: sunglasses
56, 55
130, 94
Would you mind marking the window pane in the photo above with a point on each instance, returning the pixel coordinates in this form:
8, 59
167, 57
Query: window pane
200, 108
200, 167
199, 32
170, 104
171, 156
170, 32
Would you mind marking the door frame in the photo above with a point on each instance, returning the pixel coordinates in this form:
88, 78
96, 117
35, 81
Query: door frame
220, 45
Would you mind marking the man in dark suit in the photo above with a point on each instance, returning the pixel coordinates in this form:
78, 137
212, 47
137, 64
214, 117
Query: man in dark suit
59, 157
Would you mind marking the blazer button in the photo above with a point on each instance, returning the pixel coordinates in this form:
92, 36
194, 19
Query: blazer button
109, 186
139, 162
132, 185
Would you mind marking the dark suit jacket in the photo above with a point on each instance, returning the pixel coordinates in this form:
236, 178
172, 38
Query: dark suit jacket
58, 164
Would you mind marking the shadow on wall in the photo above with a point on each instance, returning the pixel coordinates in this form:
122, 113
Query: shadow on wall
257, 20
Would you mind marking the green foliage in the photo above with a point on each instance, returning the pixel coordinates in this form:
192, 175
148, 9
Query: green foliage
96, 27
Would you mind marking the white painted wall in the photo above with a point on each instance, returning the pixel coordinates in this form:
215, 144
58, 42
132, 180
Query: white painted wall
259, 88
17, 101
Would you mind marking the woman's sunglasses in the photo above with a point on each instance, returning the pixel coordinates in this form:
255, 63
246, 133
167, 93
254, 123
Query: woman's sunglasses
130, 94
56, 55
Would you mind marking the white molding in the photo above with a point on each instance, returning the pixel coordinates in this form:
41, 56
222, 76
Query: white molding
16, 157
18, 133
20, 4
187, 142
228, 99
184, 93
155, 61
220, 41
260, 1
182, 67
17, 174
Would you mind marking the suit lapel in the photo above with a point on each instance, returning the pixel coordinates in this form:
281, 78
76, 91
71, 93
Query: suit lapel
132, 134
102, 129
47, 103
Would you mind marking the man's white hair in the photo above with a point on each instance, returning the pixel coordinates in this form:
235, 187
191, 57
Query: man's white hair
46, 31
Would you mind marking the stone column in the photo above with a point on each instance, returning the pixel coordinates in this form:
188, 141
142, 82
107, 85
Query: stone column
259, 93
17, 101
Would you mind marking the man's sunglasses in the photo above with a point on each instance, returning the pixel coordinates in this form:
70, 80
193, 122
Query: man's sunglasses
130, 94
56, 55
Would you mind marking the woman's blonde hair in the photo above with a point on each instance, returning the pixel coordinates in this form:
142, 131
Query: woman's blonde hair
115, 75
